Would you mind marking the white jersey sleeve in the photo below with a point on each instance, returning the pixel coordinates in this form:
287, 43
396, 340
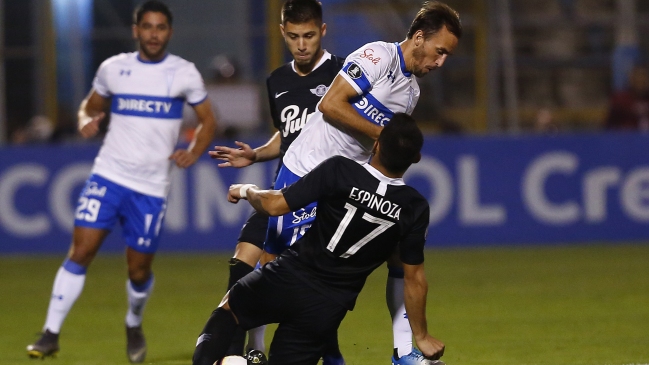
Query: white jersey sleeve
366, 66
195, 92
101, 83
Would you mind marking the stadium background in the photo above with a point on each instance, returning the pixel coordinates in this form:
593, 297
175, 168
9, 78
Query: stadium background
539, 228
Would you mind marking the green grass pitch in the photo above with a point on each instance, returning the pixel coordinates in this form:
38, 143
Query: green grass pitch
578, 304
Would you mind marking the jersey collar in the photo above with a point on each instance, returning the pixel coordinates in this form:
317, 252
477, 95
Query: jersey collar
382, 178
325, 56
402, 62
151, 62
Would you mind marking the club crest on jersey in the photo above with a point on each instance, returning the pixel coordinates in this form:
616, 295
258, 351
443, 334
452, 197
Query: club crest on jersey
354, 71
319, 91
293, 120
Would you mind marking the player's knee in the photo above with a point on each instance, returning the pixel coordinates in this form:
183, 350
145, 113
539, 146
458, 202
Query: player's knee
139, 274
247, 253
81, 255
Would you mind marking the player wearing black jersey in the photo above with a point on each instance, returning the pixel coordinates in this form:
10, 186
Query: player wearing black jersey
294, 90
365, 213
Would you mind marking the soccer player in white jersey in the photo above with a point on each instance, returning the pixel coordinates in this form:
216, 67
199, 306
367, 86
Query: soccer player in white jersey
377, 81
145, 92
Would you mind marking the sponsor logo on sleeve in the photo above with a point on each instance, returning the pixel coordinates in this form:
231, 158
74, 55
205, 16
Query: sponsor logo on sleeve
369, 55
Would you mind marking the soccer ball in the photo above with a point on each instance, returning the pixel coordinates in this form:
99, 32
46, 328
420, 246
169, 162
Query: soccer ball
256, 357
233, 360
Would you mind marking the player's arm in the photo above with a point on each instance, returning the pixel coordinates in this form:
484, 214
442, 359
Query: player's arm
415, 291
202, 137
245, 155
318, 182
269, 202
91, 113
338, 111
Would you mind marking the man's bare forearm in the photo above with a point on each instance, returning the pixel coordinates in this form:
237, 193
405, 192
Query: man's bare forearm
415, 292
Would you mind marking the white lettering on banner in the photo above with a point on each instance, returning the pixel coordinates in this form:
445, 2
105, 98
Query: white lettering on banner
634, 196
14, 221
596, 185
441, 186
470, 211
210, 203
176, 216
61, 190
534, 188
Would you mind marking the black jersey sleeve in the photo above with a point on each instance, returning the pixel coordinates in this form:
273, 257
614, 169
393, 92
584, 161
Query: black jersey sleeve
271, 104
317, 183
411, 246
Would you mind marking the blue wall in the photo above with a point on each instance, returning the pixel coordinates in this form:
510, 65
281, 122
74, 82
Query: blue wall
482, 191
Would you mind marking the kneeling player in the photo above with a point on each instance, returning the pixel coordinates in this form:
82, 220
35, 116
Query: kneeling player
365, 214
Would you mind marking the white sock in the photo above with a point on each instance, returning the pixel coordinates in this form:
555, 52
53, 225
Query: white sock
137, 300
401, 332
67, 287
256, 339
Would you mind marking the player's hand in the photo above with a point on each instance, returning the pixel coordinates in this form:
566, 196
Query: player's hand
430, 347
234, 157
91, 128
183, 158
234, 193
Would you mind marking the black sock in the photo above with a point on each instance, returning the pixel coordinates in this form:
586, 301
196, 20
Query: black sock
238, 269
215, 338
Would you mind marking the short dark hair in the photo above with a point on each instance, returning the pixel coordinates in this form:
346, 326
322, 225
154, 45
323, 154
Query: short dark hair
434, 15
301, 11
152, 6
400, 143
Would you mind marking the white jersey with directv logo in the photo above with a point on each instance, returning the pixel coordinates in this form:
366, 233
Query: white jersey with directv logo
378, 74
146, 114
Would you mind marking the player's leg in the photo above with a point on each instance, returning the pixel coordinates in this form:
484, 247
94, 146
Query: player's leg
142, 218
285, 230
67, 287
216, 336
304, 336
95, 215
246, 256
239, 308
402, 334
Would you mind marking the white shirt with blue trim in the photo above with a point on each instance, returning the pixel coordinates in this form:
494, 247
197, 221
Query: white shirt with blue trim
146, 115
378, 74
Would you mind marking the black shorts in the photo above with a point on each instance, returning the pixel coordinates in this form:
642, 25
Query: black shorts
254, 230
307, 319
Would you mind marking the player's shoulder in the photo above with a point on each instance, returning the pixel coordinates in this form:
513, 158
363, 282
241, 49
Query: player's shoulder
282, 71
335, 62
119, 59
179, 62
378, 48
